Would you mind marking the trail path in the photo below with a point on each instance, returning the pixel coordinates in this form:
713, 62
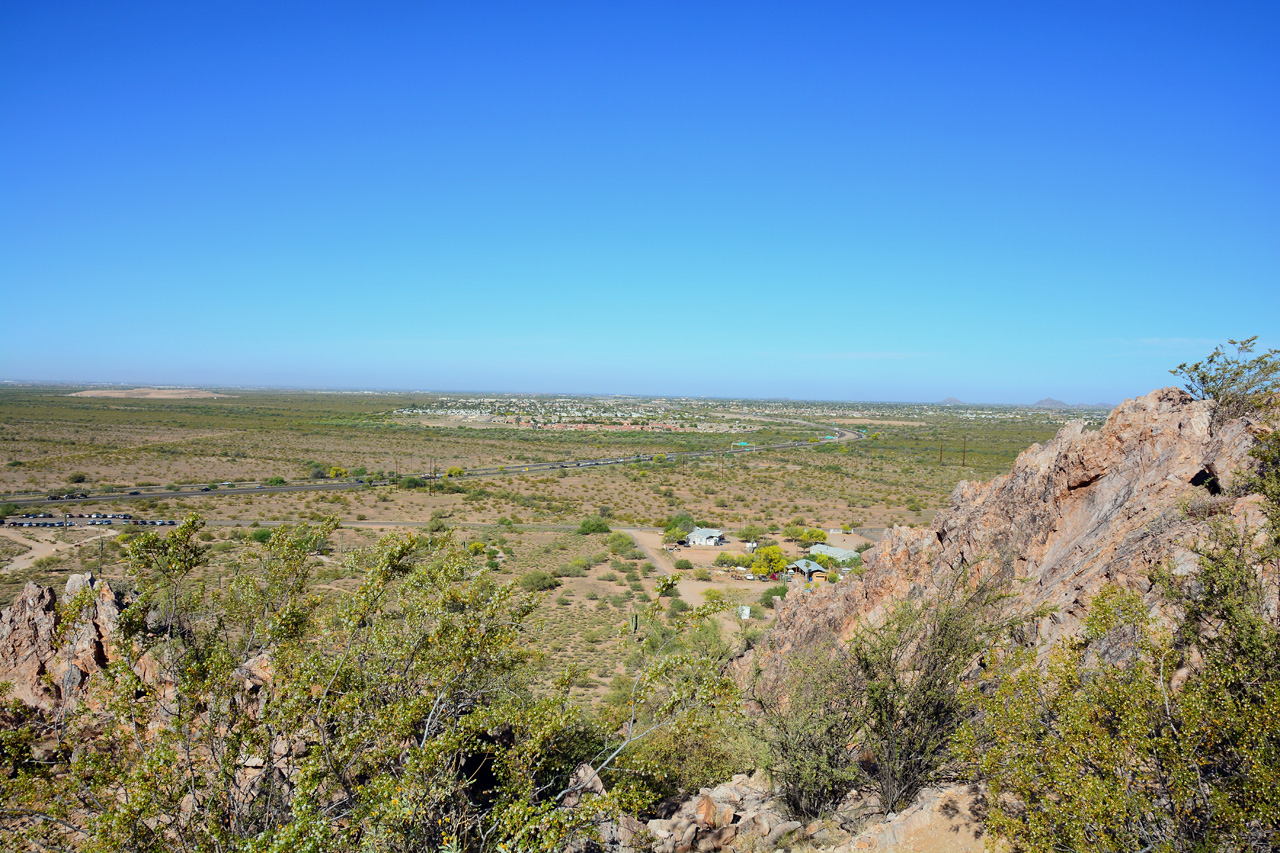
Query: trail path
42, 548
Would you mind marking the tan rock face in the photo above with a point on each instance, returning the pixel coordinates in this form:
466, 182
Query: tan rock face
40, 674
1085, 509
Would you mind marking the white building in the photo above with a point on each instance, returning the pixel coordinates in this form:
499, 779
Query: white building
705, 536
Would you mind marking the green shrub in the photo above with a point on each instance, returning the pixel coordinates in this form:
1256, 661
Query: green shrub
538, 581
593, 524
620, 542
684, 564
701, 574
260, 535
767, 597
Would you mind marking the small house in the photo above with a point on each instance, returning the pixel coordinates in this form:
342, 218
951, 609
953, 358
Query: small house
705, 536
807, 568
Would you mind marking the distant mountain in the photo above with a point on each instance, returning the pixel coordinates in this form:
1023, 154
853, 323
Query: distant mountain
1050, 403
952, 401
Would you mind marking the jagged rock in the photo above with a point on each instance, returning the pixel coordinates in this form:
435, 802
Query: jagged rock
42, 675
27, 632
704, 810
1085, 509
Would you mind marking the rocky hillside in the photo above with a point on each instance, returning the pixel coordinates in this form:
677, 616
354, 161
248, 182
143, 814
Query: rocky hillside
1085, 509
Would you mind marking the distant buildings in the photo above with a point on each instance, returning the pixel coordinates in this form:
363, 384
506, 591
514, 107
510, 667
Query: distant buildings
837, 554
705, 536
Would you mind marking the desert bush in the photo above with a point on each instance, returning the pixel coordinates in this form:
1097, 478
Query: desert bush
593, 524
700, 574
683, 564
620, 543
1101, 750
777, 591
538, 581
881, 710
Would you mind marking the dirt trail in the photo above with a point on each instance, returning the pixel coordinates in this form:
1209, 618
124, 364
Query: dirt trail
42, 548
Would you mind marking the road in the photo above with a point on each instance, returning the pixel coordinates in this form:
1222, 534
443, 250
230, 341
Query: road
312, 486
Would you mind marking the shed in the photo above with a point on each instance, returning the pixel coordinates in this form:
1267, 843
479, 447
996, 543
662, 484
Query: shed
837, 554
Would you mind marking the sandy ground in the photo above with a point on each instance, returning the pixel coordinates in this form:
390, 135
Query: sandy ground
149, 393
42, 544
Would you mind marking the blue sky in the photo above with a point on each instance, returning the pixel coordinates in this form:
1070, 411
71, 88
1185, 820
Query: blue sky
898, 201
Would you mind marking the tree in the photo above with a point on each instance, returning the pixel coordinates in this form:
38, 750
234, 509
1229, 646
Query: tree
678, 527
811, 536
454, 471
769, 560
1239, 385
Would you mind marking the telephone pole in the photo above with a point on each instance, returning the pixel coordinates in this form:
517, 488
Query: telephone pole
963, 450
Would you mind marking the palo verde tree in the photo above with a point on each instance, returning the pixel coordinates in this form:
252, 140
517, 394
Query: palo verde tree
1239, 385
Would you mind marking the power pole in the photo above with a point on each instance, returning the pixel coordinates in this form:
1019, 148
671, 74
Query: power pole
963, 450
939, 452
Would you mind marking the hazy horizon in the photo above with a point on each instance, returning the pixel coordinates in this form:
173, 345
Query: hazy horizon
218, 387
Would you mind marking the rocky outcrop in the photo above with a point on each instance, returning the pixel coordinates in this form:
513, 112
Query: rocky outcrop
1083, 510
48, 667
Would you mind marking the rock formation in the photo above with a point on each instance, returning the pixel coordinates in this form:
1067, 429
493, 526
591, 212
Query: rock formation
1085, 509
48, 667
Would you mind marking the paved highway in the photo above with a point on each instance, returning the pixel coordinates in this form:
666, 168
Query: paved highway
318, 486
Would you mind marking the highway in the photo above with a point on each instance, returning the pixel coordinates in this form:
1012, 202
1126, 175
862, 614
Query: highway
322, 485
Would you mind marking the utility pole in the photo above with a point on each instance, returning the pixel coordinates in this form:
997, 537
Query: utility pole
963, 450
939, 452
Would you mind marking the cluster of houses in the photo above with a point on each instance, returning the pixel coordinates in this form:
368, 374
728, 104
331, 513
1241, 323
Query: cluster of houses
812, 570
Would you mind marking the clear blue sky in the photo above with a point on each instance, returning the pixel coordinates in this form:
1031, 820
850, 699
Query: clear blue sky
992, 201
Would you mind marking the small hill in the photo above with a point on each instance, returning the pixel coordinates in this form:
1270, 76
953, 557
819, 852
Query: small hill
1050, 403
952, 401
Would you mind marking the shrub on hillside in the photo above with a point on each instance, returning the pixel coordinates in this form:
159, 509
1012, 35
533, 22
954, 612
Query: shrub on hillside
538, 581
593, 524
